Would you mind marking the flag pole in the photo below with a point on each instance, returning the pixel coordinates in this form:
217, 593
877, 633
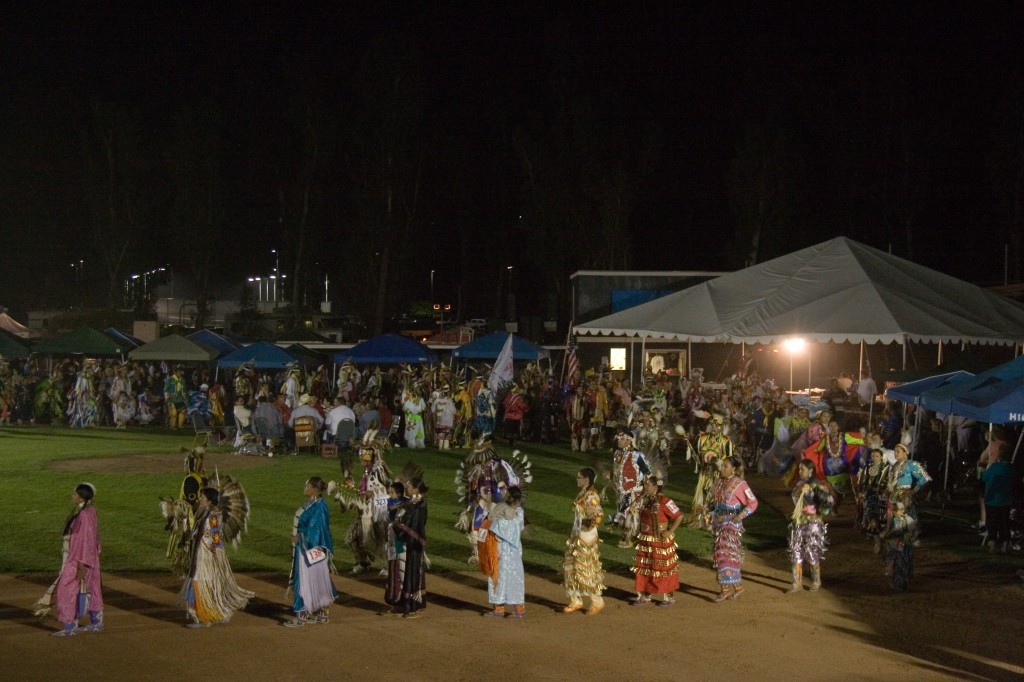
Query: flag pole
565, 355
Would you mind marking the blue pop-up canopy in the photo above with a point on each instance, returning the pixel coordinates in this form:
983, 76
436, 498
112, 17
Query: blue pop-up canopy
911, 391
119, 335
941, 399
489, 347
212, 339
1000, 402
262, 355
387, 349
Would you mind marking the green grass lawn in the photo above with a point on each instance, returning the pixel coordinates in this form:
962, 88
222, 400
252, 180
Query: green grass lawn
36, 499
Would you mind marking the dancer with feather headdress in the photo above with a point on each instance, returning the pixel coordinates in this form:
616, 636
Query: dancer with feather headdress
481, 481
629, 468
210, 592
712, 447
180, 513
368, 532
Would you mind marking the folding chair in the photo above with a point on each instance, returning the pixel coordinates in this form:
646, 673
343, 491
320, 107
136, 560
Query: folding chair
265, 435
393, 431
306, 435
245, 438
202, 431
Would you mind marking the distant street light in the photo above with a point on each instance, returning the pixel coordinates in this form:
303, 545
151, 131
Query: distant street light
259, 286
277, 263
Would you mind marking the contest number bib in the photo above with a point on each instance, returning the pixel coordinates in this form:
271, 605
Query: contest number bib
315, 555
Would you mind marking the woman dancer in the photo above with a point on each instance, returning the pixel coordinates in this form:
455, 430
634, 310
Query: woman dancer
395, 551
312, 557
582, 565
655, 564
411, 529
78, 585
871, 492
732, 500
507, 586
210, 592
833, 458
812, 500
900, 536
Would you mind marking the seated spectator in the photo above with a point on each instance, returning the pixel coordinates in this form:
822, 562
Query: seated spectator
243, 420
267, 411
281, 405
370, 418
306, 408
341, 412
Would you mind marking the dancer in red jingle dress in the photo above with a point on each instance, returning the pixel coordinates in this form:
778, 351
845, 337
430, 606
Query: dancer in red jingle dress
656, 563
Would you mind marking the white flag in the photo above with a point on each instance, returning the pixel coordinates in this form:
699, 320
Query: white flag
501, 375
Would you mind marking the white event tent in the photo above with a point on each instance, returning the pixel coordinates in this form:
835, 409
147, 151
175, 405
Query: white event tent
838, 291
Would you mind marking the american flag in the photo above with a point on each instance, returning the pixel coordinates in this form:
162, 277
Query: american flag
572, 363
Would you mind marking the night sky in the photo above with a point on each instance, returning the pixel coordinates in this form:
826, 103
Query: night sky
550, 137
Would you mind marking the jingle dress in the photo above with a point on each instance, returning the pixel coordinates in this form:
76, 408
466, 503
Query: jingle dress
582, 563
732, 500
656, 562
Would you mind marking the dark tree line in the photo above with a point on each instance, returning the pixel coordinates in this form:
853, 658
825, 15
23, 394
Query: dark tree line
395, 160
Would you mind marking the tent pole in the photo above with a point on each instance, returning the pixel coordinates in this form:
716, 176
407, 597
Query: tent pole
632, 365
904, 353
939, 362
860, 364
643, 357
949, 452
689, 358
1017, 449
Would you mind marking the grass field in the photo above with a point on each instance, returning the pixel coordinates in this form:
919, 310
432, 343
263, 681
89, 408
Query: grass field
36, 488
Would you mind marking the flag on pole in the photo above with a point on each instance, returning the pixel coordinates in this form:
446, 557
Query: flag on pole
501, 375
572, 363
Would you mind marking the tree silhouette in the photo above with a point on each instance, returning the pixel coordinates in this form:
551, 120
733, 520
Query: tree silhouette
114, 181
197, 211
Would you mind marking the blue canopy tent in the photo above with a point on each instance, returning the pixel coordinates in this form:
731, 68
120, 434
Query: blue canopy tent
387, 349
999, 402
488, 347
985, 386
262, 355
212, 339
940, 399
119, 335
910, 392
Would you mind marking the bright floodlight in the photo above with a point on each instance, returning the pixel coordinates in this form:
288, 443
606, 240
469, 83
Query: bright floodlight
794, 345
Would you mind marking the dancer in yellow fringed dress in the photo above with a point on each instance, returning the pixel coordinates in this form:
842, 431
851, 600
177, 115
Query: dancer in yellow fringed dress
583, 575
210, 592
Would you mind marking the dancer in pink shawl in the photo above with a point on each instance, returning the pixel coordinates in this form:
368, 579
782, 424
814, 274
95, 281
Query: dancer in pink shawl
78, 586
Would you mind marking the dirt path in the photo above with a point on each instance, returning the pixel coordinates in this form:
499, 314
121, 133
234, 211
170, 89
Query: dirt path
957, 622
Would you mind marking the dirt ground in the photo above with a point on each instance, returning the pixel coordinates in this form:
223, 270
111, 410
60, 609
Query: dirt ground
960, 620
